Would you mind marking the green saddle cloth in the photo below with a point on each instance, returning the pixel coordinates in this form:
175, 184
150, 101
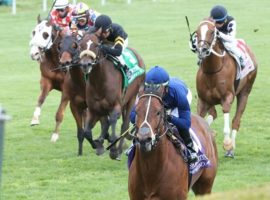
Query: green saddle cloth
134, 70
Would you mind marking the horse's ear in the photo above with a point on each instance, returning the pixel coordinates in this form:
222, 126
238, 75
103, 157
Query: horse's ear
38, 18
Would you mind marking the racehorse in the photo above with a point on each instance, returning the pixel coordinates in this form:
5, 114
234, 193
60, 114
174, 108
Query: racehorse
105, 95
216, 81
69, 58
157, 170
44, 50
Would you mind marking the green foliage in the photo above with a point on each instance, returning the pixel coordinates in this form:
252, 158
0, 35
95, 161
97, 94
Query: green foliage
34, 168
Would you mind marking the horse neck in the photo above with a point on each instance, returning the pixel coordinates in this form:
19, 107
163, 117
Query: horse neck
52, 55
102, 76
77, 75
213, 63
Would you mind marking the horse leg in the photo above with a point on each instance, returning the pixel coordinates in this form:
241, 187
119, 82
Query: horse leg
105, 125
212, 115
59, 116
77, 112
114, 116
46, 87
241, 105
125, 125
202, 109
90, 122
226, 106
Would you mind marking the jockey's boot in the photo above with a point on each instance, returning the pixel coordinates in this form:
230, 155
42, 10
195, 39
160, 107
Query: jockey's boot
192, 155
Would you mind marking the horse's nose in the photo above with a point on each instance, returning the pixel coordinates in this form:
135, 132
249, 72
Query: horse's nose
144, 134
34, 56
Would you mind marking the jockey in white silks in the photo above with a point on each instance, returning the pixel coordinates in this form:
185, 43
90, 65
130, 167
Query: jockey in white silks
226, 25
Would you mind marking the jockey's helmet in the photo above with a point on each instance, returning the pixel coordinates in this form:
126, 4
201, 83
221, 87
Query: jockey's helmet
157, 76
61, 4
81, 10
219, 14
104, 22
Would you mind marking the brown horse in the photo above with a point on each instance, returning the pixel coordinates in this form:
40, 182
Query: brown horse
105, 95
158, 171
43, 45
216, 81
76, 85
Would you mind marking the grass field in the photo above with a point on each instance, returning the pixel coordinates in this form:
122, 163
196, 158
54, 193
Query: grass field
34, 168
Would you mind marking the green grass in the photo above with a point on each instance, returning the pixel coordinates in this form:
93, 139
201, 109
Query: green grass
34, 168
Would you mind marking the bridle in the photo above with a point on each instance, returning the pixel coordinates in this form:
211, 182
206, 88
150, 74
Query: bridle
96, 57
155, 137
210, 45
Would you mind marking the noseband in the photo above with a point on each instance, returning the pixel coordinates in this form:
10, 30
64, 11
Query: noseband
210, 45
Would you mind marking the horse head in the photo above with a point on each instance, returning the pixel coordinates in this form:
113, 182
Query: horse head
69, 51
207, 35
90, 54
151, 120
41, 39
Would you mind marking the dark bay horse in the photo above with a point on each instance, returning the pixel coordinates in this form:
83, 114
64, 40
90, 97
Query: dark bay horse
216, 81
105, 95
44, 50
75, 90
158, 171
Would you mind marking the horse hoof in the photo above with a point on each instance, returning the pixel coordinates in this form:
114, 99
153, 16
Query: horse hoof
55, 137
227, 144
114, 154
229, 154
34, 122
99, 147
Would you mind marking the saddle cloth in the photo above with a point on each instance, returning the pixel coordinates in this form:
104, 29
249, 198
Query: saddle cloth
248, 64
133, 68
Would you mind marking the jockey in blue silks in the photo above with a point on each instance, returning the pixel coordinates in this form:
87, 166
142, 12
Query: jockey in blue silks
176, 97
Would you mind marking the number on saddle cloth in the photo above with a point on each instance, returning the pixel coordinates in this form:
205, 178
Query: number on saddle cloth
132, 64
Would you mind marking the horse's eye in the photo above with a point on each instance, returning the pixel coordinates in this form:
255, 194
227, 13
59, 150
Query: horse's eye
45, 35
33, 33
158, 113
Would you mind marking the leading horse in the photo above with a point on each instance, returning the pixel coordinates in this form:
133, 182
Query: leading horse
158, 171
105, 95
44, 43
217, 84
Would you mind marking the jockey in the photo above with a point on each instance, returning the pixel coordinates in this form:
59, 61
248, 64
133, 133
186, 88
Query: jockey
61, 15
84, 17
177, 97
226, 26
111, 32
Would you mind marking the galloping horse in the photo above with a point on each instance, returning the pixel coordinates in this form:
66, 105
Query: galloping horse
157, 170
44, 50
105, 95
216, 81
69, 58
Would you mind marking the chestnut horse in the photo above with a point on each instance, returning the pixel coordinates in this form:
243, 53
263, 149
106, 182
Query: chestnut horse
44, 50
69, 58
105, 95
216, 81
157, 170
